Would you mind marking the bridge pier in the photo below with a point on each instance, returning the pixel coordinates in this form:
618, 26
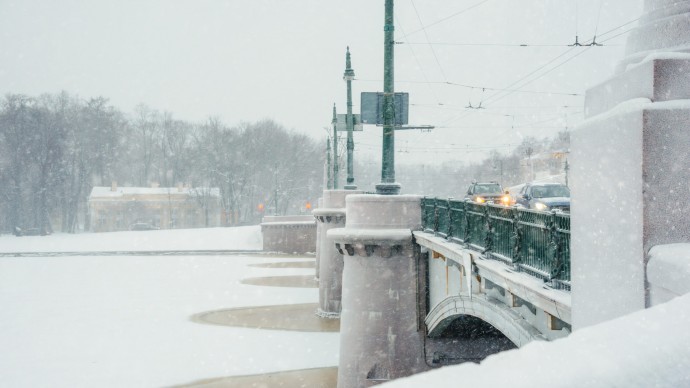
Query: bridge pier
382, 328
330, 216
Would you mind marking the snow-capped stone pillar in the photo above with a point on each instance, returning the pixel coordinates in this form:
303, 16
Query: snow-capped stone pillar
330, 216
630, 167
381, 325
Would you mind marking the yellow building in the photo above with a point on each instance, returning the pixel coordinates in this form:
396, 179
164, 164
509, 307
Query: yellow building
124, 208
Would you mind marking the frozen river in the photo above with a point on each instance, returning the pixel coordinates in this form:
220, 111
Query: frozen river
84, 321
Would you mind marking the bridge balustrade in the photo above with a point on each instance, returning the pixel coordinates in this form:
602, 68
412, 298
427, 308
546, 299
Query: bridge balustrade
532, 241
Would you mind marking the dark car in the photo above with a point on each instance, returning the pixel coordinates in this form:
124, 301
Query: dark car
545, 196
486, 192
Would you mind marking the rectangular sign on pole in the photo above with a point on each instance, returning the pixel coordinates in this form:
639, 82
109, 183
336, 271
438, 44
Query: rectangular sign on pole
341, 124
371, 106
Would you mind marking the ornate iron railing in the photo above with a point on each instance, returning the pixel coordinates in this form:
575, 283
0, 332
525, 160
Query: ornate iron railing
531, 241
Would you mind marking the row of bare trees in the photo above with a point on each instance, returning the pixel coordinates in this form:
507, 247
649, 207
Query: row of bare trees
55, 148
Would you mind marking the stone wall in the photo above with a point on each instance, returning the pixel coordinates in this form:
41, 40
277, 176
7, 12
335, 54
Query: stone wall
289, 234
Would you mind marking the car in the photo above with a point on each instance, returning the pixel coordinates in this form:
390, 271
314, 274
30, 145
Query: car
544, 197
30, 232
142, 226
487, 192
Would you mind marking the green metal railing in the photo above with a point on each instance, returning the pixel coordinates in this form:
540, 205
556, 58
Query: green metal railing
532, 241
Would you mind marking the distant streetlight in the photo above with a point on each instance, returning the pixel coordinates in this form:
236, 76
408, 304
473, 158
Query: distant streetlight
335, 149
329, 182
348, 76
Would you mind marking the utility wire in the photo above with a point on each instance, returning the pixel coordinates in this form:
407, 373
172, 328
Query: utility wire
553, 60
508, 89
576, 24
566, 61
507, 93
435, 148
477, 87
536, 45
496, 44
419, 64
443, 73
512, 90
446, 18
594, 39
616, 36
491, 97
622, 25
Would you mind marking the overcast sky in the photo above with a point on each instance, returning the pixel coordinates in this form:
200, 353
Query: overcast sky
246, 60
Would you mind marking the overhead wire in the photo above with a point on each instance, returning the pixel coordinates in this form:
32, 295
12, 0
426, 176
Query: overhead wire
489, 99
501, 93
537, 45
493, 97
447, 18
426, 35
507, 89
498, 96
492, 44
589, 46
596, 28
477, 87
419, 64
456, 147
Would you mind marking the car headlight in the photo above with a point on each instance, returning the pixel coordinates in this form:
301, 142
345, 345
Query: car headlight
540, 206
480, 200
505, 200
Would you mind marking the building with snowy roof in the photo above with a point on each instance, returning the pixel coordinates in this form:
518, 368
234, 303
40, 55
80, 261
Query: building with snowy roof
123, 208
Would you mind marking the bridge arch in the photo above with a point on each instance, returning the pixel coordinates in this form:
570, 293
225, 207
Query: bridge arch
498, 315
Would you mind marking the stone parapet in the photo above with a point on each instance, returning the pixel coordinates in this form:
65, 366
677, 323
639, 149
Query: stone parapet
290, 234
664, 26
668, 272
661, 77
380, 212
629, 175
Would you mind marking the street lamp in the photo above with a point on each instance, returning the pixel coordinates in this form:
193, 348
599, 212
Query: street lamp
348, 76
388, 184
335, 149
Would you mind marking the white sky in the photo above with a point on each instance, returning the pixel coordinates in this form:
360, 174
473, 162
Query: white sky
249, 60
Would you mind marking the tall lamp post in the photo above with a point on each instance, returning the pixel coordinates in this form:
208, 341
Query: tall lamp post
348, 76
329, 183
388, 185
335, 149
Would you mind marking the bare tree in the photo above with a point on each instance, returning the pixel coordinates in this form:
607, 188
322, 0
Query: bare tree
14, 123
145, 140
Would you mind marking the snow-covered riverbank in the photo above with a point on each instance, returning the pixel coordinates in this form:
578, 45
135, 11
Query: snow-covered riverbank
124, 321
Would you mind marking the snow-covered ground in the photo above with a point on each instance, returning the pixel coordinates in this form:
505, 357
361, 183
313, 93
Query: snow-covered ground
123, 321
